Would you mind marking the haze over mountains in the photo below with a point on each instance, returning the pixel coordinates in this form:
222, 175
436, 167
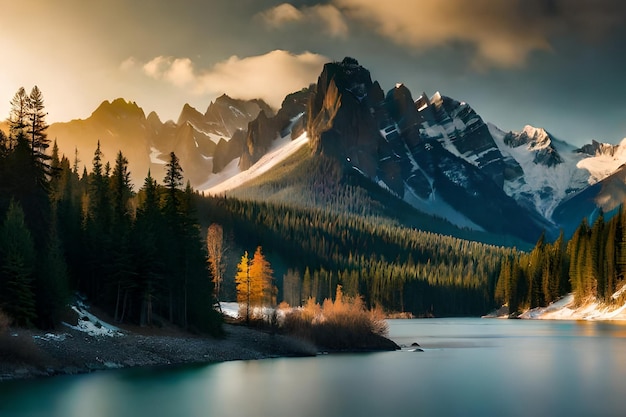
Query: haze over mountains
433, 152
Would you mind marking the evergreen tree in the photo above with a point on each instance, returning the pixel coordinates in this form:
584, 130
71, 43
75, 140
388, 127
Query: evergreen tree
37, 124
18, 115
173, 181
149, 250
52, 289
17, 257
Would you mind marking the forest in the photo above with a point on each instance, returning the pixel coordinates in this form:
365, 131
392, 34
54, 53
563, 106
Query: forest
137, 255
165, 253
591, 265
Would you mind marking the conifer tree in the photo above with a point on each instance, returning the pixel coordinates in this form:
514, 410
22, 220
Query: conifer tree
37, 124
148, 240
173, 181
17, 255
18, 115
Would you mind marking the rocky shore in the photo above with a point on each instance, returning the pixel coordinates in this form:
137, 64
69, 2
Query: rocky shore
38, 354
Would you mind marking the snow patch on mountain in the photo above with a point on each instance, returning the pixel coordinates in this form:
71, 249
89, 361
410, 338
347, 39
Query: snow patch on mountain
543, 187
437, 206
604, 164
232, 177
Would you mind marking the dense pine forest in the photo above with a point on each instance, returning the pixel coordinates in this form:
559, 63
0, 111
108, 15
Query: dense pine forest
591, 265
138, 255
392, 266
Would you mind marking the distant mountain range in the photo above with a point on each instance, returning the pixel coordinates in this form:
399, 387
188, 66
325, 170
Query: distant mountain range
436, 154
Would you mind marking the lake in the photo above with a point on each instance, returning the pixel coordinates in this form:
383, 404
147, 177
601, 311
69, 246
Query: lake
469, 367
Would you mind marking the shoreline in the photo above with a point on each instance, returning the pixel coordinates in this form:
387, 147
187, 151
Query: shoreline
73, 352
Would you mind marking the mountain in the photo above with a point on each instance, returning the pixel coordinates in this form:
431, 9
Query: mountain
432, 153
436, 154
439, 156
147, 141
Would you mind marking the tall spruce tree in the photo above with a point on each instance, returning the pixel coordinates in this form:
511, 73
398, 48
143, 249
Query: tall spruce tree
17, 260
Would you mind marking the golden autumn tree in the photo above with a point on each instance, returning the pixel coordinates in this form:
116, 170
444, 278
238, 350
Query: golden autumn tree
255, 283
264, 291
242, 279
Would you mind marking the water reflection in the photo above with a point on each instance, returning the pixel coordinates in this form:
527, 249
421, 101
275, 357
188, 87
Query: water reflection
470, 367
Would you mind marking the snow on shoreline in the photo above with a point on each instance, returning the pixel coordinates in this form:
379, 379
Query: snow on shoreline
90, 324
564, 309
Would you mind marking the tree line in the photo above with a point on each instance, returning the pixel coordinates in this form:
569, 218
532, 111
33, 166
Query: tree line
591, 265
397, 268
138, 255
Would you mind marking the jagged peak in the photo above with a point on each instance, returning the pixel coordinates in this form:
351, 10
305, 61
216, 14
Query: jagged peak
596, 148
119, 106
537, 133
154, 117
188, 112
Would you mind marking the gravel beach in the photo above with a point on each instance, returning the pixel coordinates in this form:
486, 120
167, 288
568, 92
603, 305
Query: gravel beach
71, 351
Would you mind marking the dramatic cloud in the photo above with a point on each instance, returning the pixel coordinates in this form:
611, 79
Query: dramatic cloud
327, 15
502, 33
270, 76
497, 30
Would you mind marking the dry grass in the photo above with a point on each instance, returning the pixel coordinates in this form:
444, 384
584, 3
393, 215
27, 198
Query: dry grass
18, 347
343, 324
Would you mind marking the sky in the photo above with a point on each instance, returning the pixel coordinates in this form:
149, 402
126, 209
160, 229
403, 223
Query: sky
556, 64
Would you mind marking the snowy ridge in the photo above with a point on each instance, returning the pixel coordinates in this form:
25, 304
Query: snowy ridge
542, 186
604, 164
232, 177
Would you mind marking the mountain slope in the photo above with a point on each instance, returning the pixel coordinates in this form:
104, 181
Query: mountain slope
436, 155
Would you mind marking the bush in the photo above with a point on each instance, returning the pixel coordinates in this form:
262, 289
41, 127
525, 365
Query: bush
20, 348
344, 324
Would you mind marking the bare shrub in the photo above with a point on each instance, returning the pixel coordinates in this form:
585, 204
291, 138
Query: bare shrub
20, 348
343, 324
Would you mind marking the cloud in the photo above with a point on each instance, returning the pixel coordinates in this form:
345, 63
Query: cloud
270, 76
496, 30
326, 15
281, 15
178, 71
332, 18
499, 33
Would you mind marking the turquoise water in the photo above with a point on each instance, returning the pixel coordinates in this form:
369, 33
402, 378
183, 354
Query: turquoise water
469, 367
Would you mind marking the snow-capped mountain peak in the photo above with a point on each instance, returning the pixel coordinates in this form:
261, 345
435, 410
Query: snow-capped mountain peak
538, 137
602, 159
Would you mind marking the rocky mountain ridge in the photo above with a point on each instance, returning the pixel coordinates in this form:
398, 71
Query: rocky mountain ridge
436, 153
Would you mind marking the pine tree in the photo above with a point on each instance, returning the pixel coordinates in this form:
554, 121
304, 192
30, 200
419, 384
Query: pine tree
17, 255
18, 115
173, 181
37, 124
149, 251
